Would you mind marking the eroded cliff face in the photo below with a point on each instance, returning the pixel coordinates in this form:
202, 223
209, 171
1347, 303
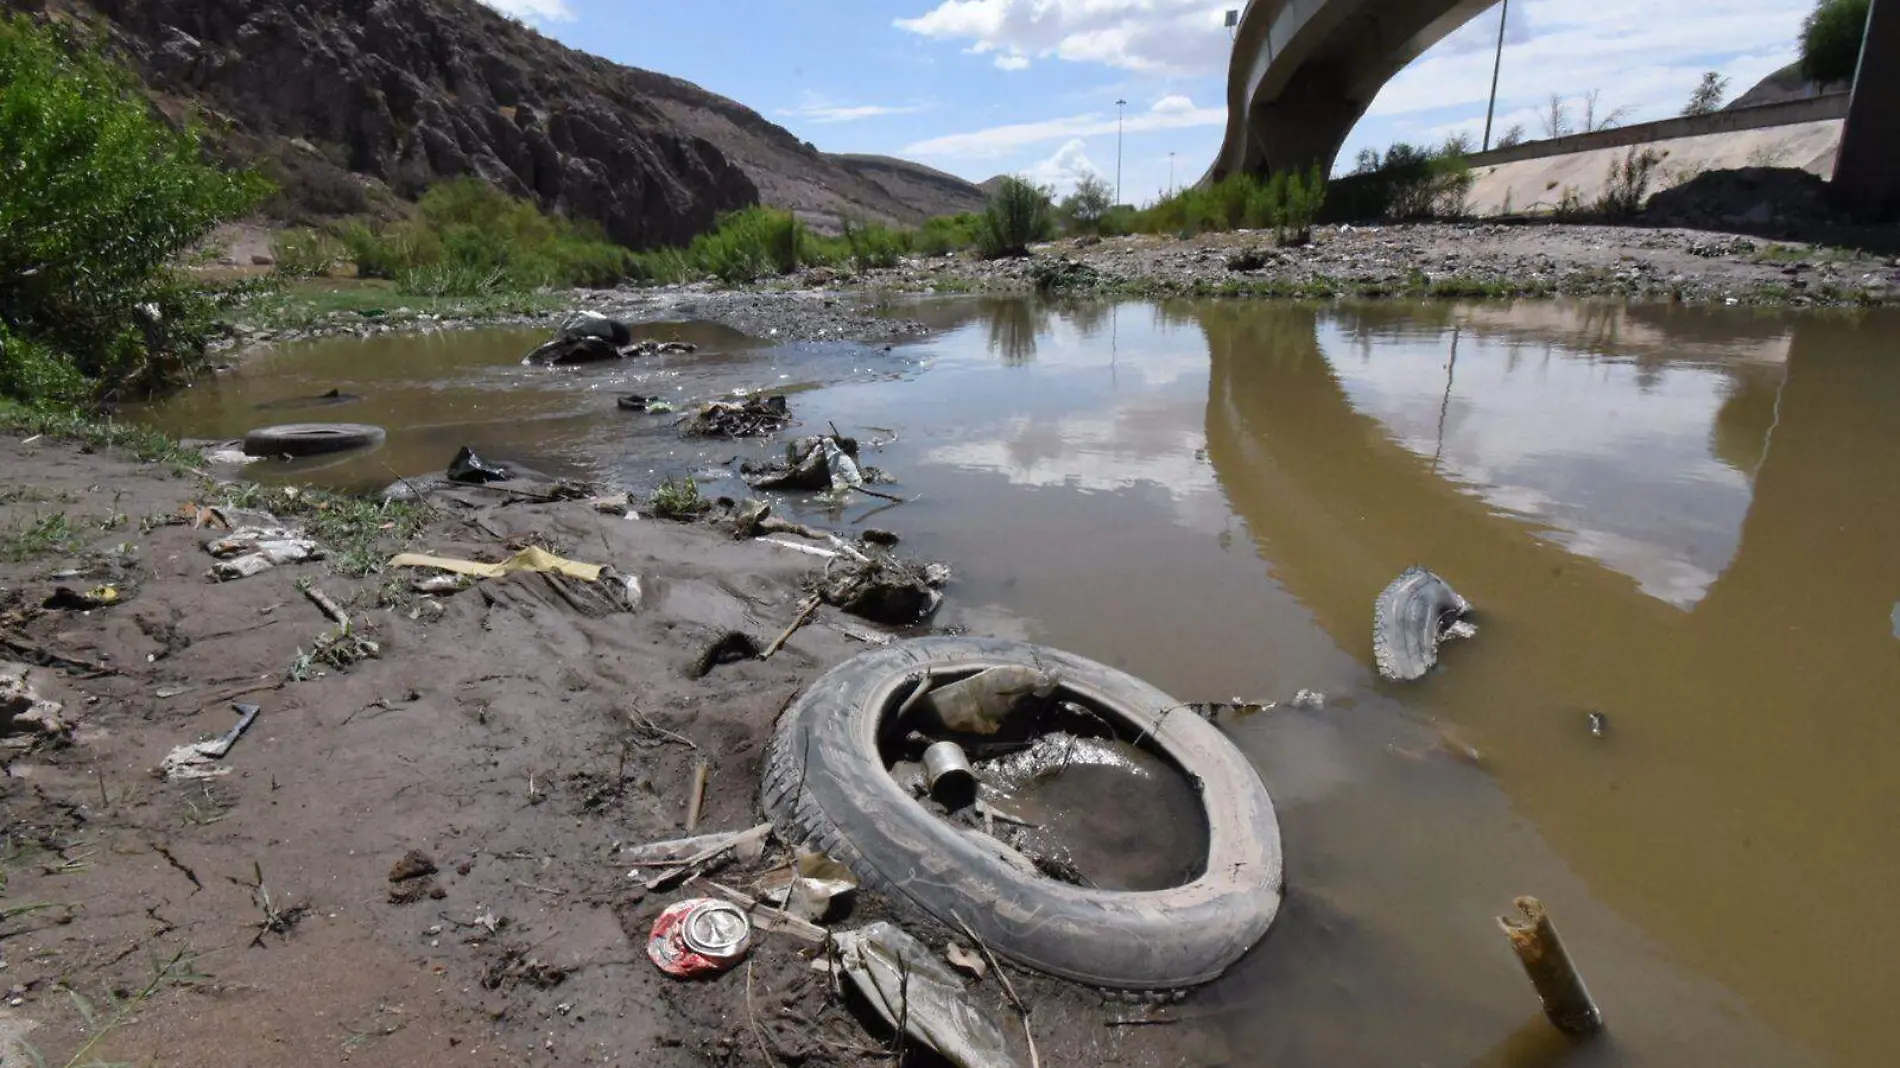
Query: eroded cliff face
349, 104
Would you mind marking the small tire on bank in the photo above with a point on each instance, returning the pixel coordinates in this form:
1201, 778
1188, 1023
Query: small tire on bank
826, 786
311, 439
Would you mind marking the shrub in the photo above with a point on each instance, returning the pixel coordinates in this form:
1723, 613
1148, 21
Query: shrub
470, 230
450, 280
1087, 209
1409, 183
99, 200
1707, 97
1018, 214
1831, 40
1628, 184
307, 253
872, 246
947, 233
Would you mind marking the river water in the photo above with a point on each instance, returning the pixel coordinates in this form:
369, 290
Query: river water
1686, 520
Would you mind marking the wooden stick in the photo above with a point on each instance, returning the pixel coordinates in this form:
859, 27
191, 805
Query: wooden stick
868, 492
1022, 1010
26, 646
692, 864
701, 772
1566, 1000
804, 930
805, 613
322, 601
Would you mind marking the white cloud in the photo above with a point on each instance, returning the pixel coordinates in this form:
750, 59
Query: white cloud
1163, 36
1169, 113
534, 10
1012, 62
819, 109
1064, 169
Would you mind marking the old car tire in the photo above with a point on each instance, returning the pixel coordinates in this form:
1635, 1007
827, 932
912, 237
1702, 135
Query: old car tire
826, 786
310, 439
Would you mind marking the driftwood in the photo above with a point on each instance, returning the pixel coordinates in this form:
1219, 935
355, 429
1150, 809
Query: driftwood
805, 612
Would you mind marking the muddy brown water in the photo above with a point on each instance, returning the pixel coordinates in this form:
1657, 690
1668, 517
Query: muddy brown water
1687, 520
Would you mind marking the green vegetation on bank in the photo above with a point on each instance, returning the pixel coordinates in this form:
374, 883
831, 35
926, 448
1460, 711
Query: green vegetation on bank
1288, 203
1407, 183
99, 202
467, 238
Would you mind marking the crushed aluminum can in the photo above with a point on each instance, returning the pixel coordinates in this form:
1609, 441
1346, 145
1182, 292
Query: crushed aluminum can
699, 937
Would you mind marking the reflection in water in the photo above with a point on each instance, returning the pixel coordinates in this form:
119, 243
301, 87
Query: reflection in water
1014, 325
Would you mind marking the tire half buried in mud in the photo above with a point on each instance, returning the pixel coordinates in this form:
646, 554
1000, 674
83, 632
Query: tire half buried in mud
311, 439
826, 785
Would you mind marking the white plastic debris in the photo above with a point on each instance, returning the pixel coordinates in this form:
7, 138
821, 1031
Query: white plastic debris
910, 986
199, 759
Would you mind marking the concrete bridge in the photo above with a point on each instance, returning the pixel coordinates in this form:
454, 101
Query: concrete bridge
1305, 71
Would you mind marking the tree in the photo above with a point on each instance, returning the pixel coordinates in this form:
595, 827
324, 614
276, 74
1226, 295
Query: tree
1512, 137
1367, 162
1707, 98
1831, 39
1087, 207
1017, 215
1556, 117
99, 201
1591, 122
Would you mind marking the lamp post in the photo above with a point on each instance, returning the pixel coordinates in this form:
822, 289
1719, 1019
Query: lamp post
1170, 174
1497, 67
1120, 105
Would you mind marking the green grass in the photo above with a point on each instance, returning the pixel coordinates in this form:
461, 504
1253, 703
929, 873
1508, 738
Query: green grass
51, 534
93, 431
679, 499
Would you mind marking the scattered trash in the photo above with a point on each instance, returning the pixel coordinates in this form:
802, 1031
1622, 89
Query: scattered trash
815, 888
1051, 753
748, 844
1599, 724
65, 598
196, 761
470, 469
948, 776
1410, 618
842, 468
1566, 1000
882, 538
885, 590
249, 550
229, 453
1310, 700
699, 937
412, 878
634, 402
739, 419
529, 559
914, 991
966, 960
440, 585
23, 712
807, 465
980, 703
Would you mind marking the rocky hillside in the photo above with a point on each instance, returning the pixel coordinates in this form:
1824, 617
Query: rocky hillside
926, 189
352, 104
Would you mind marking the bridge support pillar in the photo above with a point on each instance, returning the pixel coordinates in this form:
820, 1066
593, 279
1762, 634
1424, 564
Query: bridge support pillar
1867, 172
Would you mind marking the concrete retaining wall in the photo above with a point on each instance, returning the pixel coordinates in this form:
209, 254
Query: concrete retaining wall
1787, 113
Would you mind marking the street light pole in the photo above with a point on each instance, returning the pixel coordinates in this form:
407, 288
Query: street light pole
1119, 106
1497, 67
1170, 174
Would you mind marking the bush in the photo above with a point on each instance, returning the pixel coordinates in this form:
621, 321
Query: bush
871, 246
1628, 184
1409, 183
1018, 215
947, 233
99, 200
1086, 210
307, 253
1831, 40
467, 230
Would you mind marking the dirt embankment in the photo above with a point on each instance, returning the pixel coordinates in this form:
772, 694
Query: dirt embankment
1440, 260
509, 739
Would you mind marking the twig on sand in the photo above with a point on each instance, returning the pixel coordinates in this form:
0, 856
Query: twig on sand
752, 1018
696, 798
647, 726
805, 612
1009, 988
330, 608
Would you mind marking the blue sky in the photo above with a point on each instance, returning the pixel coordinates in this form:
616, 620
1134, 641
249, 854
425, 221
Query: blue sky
984, 87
